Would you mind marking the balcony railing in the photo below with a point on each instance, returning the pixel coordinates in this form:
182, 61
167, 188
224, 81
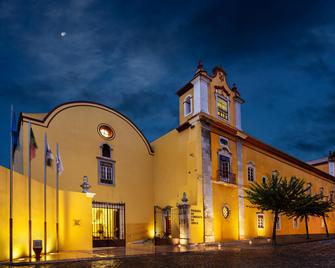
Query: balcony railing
227, 177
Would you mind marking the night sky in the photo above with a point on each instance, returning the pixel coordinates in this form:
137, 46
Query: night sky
134, 55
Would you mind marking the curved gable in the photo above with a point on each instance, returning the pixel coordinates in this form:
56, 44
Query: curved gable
44, 120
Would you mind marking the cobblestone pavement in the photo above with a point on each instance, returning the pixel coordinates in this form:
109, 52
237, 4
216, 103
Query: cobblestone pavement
312, 254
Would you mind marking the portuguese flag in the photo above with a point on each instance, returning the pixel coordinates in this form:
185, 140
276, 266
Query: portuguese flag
33, 145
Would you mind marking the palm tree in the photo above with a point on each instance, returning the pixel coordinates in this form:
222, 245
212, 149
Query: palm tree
302, 208
310, 205
275, 195
322, 208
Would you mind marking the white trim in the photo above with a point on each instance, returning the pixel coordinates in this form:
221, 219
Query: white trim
238, 115
191, 104
200, 90
331, 168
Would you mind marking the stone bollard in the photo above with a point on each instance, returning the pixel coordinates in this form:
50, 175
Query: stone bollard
184, 221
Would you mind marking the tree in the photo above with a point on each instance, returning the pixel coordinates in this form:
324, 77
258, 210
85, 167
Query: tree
275, 195
309, 205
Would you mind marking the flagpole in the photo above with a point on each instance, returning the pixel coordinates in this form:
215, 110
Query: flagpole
11, 189
57, 199
45, 193
29, 186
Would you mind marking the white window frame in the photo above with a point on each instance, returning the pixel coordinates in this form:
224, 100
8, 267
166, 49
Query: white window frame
252, 166
257, 221
295, 223
191, 104
217, 96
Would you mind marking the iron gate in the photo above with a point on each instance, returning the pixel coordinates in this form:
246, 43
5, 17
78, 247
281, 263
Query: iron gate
109, 221
166, 224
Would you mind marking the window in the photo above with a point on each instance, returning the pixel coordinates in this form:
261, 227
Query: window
106, 132
331, 196
106, 150
264, 179
188, 105
224, 167
309, 188
295, 223
223, 141
222, 108
251, 171
321, 192
278, 223
106, 166
106, 172
260, 221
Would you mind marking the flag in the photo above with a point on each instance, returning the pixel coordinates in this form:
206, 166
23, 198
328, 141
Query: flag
59, 164
15, 133
33, 144
48, 155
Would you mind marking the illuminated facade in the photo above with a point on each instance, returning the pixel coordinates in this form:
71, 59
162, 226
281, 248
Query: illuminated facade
139, 186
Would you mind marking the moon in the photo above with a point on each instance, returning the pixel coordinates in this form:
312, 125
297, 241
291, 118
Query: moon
62, 34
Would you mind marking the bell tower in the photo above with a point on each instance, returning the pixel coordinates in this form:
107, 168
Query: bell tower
211, 95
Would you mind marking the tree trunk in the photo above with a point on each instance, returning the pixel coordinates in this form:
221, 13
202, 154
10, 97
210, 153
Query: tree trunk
306, 224
326, 227
274, 241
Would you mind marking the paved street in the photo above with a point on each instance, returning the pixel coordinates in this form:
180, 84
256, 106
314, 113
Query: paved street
312, 254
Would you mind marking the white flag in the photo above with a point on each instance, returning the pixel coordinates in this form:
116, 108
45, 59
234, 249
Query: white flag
59, 164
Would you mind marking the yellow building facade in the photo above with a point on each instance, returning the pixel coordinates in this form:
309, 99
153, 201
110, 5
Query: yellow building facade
140, 187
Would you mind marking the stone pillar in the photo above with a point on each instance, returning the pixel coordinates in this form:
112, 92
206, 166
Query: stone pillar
331, 165
200, 87
207, 184
240, 191
238, 103
184, 221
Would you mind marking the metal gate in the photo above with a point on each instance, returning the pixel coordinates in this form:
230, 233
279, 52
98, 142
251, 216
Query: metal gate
108, 220
166, 224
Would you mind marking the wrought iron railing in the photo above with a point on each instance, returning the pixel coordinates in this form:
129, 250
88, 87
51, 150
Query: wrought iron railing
225, 176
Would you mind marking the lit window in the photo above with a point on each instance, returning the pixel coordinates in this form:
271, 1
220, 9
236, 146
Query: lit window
251, 172
105, 131
222, 108
188, 105
225, 212
260, 221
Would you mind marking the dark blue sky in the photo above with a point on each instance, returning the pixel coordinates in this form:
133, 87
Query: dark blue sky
134, 55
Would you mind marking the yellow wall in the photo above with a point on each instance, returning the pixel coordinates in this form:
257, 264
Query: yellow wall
72, 206
74, 128
323, 166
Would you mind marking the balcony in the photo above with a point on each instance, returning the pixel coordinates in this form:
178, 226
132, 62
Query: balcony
226, 177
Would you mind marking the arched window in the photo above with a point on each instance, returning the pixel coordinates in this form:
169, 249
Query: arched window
251, 171
106, 166
106, 151
188, 105
264, 179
